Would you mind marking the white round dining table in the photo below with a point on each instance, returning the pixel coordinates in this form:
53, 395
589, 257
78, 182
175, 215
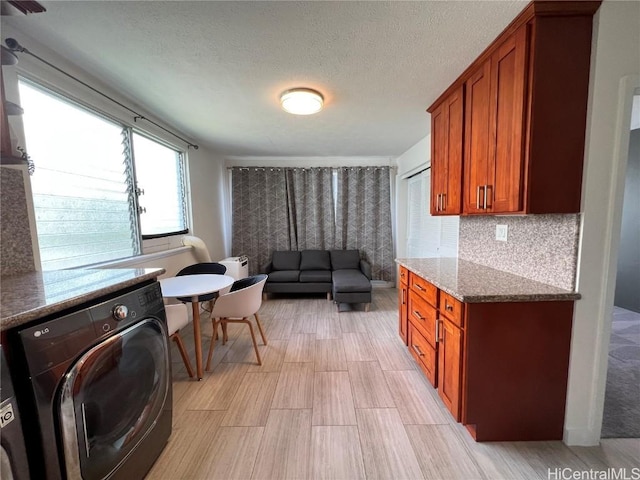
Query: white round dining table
192, 286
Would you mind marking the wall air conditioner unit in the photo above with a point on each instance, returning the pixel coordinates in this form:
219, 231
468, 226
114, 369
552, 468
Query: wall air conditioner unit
237, 267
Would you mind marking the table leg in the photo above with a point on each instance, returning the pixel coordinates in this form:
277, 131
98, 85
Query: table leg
197, 336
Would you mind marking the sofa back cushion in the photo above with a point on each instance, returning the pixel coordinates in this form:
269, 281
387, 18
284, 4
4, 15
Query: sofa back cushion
285, 260
315, 260
345, 259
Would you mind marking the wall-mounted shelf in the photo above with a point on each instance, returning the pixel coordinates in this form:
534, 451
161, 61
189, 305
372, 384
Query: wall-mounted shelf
12, 160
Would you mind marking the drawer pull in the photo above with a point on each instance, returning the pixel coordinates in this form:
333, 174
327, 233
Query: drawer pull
417, 350
416, 314
419, 287
448, 307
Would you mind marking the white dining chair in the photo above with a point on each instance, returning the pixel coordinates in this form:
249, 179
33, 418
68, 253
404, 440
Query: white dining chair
177, 318
237, 306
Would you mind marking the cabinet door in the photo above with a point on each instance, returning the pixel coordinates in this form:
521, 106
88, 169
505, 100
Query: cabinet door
446, 155
451, 201
403, 301
439, 147
450, 366
505, 186
476, 138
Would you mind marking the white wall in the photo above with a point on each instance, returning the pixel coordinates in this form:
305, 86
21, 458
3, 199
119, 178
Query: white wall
207, 179
412, 161
616, 55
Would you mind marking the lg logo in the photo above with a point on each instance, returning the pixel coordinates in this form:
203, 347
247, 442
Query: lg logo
37, 333
6, 415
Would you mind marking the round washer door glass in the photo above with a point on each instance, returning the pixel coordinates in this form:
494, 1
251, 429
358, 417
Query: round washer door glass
111, 397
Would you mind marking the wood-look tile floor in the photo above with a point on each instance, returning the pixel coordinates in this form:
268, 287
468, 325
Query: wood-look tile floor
339, 397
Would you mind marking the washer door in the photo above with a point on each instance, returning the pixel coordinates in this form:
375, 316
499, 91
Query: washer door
111, 397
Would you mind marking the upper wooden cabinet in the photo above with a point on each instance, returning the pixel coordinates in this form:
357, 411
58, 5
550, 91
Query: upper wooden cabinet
446, 155
525, 106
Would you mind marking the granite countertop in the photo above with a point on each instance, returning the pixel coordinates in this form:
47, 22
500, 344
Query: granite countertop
29, 296
474, 283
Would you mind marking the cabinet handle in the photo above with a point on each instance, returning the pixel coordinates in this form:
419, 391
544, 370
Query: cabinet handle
444, 202
418, 286
417, 350
448, 307
438, 331
416, 314
487, 196
486, 188
480, 187
404, 294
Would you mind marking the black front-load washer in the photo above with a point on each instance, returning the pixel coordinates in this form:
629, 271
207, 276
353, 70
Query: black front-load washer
99, 382
13, 453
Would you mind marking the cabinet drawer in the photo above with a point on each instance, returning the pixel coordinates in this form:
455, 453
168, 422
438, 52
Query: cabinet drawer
423, 317
423, 288
452, 308
404, 276
424, 354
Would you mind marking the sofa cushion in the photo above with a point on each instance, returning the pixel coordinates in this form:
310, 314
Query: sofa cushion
315, 260
280, 276
311, 276
344, 259
350, 280
285, 260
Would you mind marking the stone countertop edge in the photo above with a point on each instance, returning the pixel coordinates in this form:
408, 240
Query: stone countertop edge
24, 298
474, 283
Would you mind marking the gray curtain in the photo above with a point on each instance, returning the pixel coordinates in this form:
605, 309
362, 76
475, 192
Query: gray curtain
312, 207
281, 209
363, 218
260, 215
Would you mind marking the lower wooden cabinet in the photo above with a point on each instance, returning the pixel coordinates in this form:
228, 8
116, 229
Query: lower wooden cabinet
500, 368
450, 366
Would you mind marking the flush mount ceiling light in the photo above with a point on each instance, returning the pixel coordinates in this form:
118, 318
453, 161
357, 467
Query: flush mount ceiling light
301, 101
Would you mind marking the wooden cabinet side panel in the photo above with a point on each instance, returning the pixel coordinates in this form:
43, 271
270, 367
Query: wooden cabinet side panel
508, 81
403, 302
560, 81
516, 369
476, 138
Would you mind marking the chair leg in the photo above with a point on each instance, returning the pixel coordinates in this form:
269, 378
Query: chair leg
264, 340
225, 336
183, 352
253, 339
214, 337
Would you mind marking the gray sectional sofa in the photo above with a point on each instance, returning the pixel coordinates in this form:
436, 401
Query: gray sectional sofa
340, 273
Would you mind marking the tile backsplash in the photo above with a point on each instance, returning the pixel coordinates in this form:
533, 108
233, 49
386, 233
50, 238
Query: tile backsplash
16, 253
539, 247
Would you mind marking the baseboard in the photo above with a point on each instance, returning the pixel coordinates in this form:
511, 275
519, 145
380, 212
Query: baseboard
581, 437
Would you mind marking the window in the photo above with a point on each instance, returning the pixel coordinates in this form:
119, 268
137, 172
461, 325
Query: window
84, 193
427, 235
160, 182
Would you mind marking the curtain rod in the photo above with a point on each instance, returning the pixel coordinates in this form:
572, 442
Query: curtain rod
14, 46
237, 167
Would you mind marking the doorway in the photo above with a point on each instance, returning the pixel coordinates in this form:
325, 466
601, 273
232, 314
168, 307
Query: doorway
621, 415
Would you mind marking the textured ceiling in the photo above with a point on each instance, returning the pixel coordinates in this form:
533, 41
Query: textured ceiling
214, 70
